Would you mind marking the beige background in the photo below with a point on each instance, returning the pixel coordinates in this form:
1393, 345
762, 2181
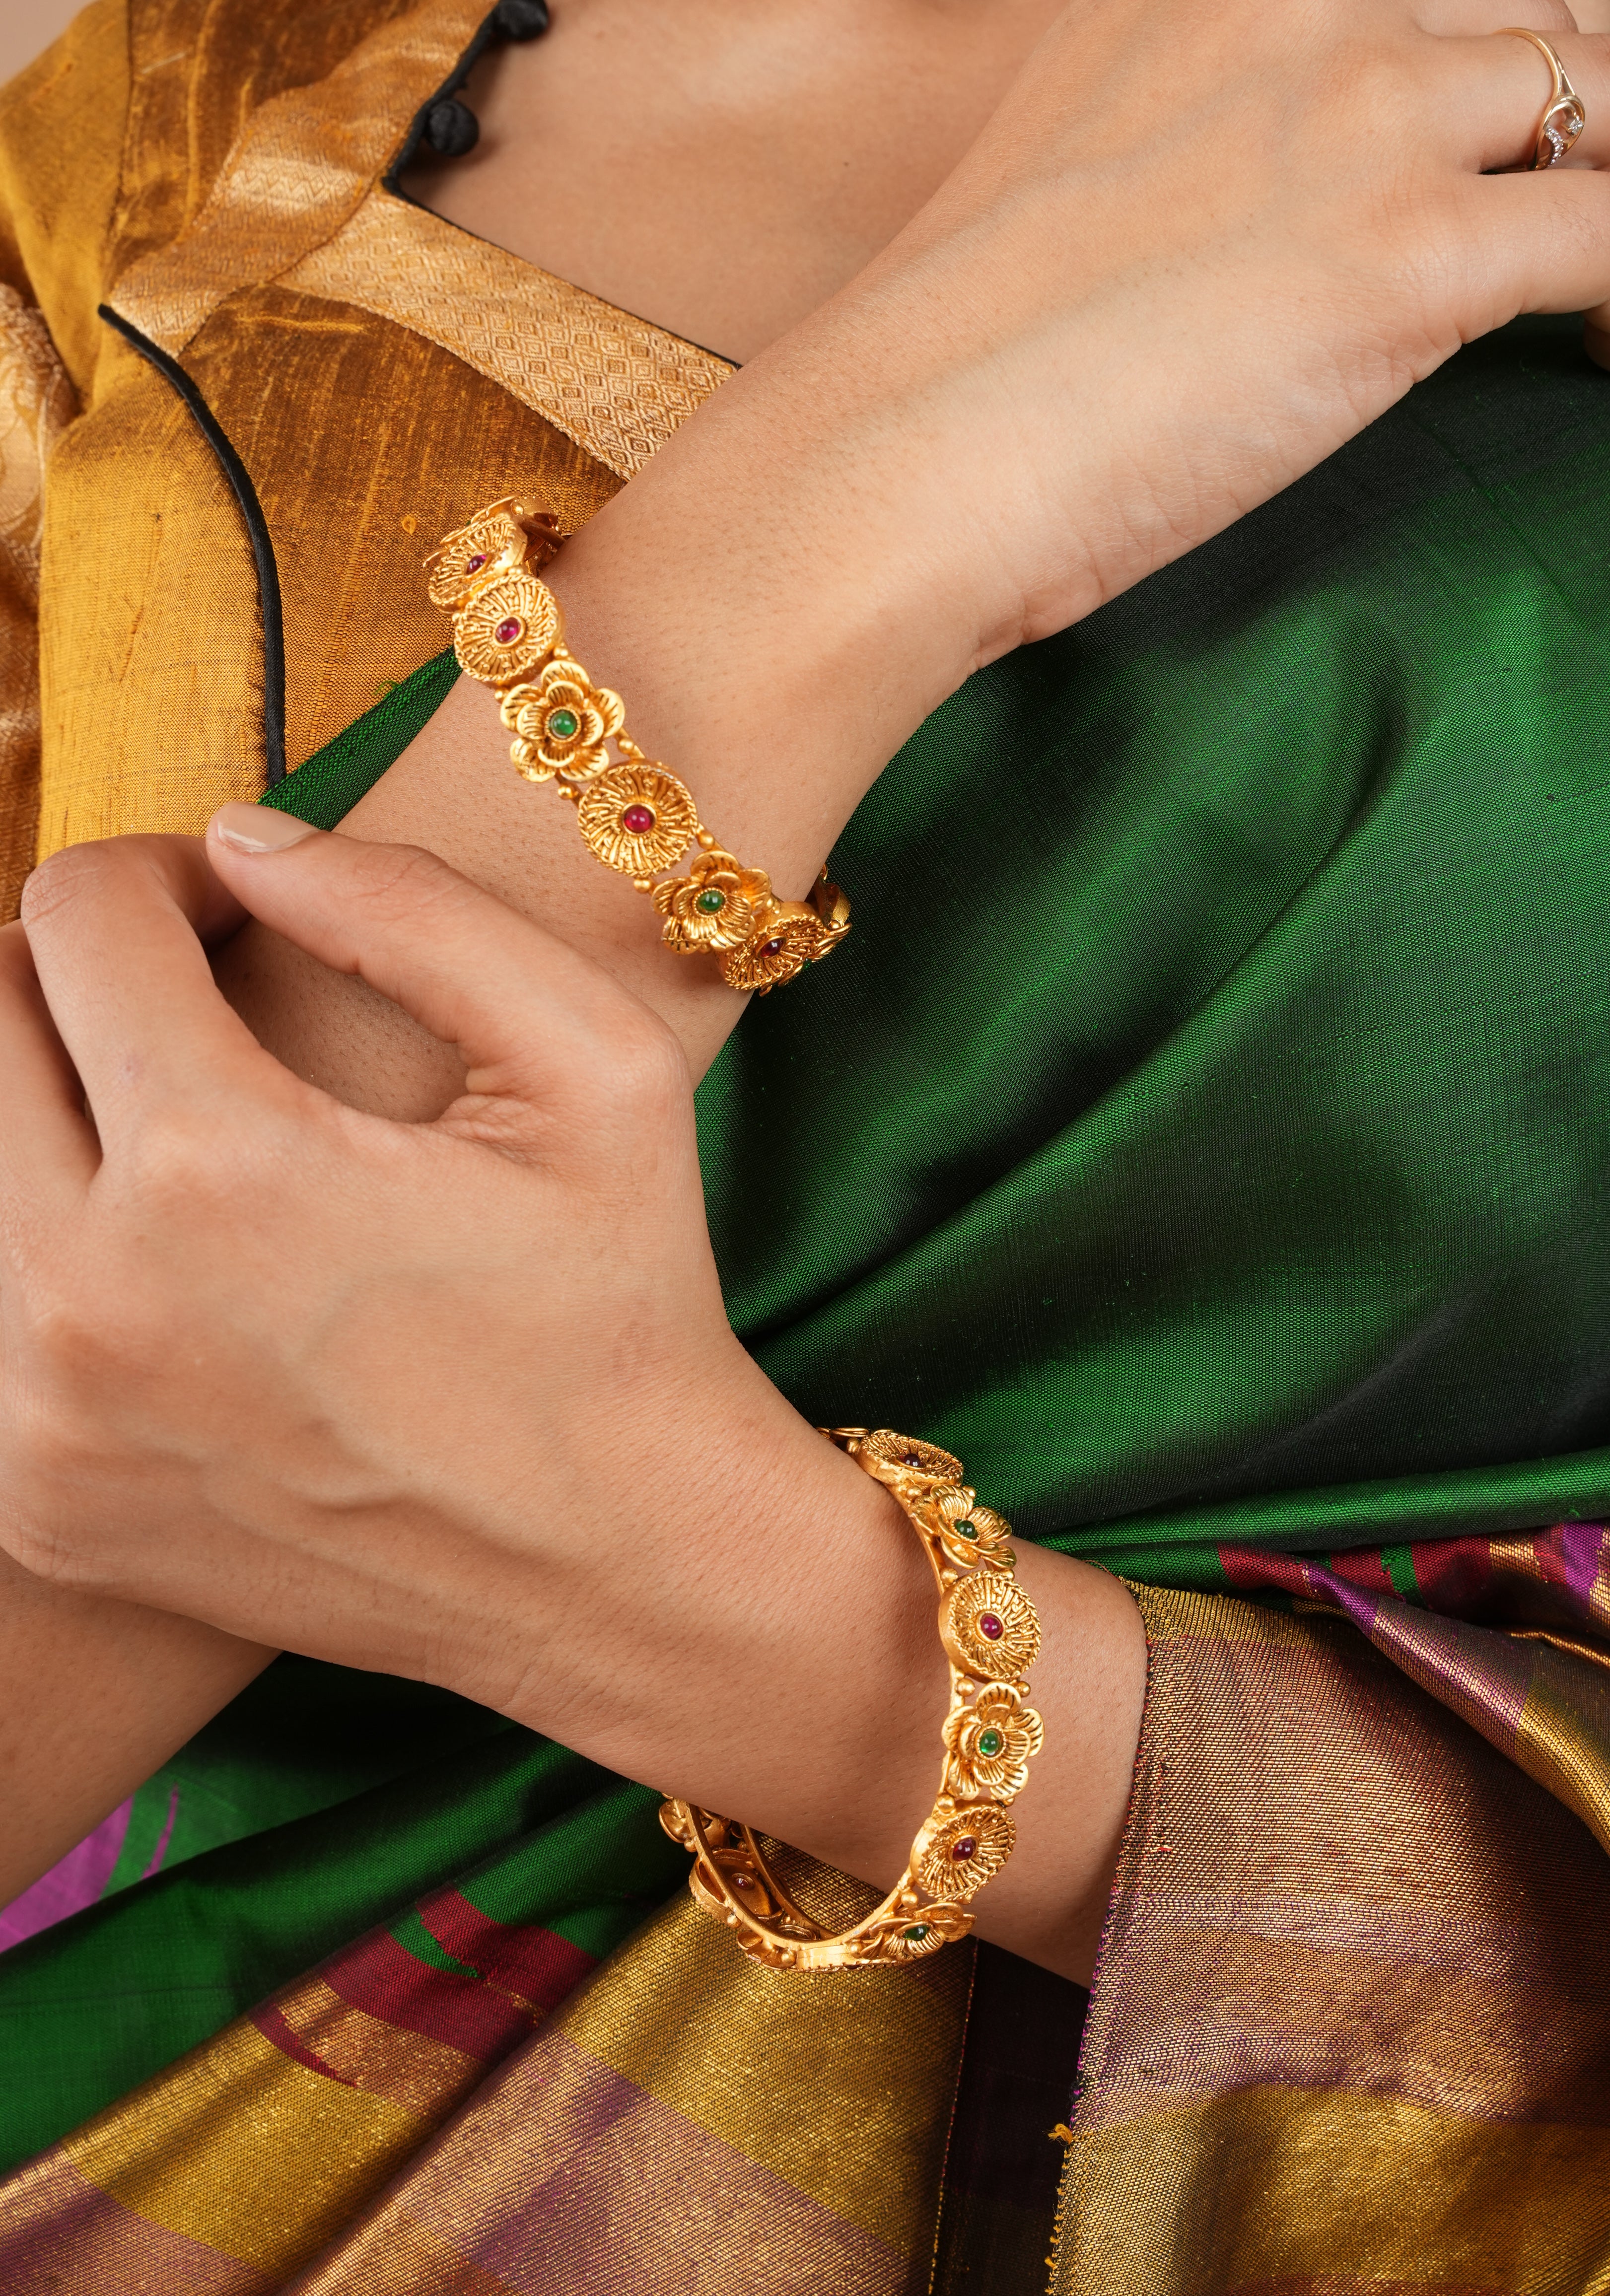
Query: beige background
27, 26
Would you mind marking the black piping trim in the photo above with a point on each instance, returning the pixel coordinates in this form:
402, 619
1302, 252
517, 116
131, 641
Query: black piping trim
256, 527
481, 41
392, 180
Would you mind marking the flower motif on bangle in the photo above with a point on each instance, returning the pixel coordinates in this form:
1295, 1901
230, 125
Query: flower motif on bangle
960, 1849
715, 906
990, 1743
968, 1533
562, 724
918, 1929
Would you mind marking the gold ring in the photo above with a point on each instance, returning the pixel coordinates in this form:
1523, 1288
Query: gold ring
1564, 118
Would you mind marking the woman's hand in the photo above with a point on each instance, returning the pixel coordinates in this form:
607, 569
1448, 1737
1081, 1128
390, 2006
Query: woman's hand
1194, 251
459, 1399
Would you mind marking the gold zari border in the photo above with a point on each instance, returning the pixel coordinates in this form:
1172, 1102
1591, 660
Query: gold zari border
301, 164
614, 384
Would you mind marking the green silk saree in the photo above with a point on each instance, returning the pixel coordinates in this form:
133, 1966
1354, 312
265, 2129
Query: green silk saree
1203, 1133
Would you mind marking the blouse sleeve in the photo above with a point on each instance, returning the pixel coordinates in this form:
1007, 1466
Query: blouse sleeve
63, 127
36, 403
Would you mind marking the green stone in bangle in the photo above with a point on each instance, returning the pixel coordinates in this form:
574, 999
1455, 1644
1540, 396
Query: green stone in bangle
990, 1742
562, 724
712, 901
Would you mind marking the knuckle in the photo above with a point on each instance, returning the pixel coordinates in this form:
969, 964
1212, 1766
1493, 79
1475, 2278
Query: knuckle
75, 1336
394, 882
643, 1077
181, 1165
77, 873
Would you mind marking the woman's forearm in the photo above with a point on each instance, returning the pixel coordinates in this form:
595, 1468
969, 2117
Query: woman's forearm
773, 647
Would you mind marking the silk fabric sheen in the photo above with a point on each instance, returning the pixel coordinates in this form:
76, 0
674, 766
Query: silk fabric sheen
1205, 1131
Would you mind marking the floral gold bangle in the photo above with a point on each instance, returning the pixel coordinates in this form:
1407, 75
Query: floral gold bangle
508, 633
991, 1632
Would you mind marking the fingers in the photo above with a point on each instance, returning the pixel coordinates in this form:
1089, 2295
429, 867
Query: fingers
47, 1151
113, 930
528, 1014
1545, 238
1498, 90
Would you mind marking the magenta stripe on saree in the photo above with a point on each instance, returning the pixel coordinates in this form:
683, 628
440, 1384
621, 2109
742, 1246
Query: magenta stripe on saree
1508, 1639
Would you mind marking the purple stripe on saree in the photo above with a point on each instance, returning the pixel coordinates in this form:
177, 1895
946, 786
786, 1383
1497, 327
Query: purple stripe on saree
81, 1878
64, 2237
1582, 1548
608, 2192
1557, 1577
1530, 1678
153, 1864
1481, 1672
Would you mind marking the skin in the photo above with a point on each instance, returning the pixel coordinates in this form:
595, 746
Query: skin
1091, 347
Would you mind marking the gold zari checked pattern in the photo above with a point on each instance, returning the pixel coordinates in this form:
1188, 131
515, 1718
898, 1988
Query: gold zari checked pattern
508, 633
991, 1632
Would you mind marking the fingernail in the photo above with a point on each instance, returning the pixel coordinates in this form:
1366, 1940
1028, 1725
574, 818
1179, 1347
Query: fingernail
259, 828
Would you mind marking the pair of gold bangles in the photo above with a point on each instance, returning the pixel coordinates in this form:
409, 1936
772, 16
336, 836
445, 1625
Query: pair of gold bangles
508, 633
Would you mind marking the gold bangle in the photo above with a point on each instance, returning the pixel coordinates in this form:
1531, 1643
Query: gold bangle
508, 633
991, 1631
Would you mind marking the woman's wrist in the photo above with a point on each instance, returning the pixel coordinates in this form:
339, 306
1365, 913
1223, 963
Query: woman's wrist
764, 675
773, 1654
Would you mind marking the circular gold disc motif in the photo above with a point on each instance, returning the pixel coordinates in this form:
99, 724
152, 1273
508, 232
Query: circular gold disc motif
507, 630
988, 1626
475, 553
905, 1451
637, 819
960, 1854
784, 940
